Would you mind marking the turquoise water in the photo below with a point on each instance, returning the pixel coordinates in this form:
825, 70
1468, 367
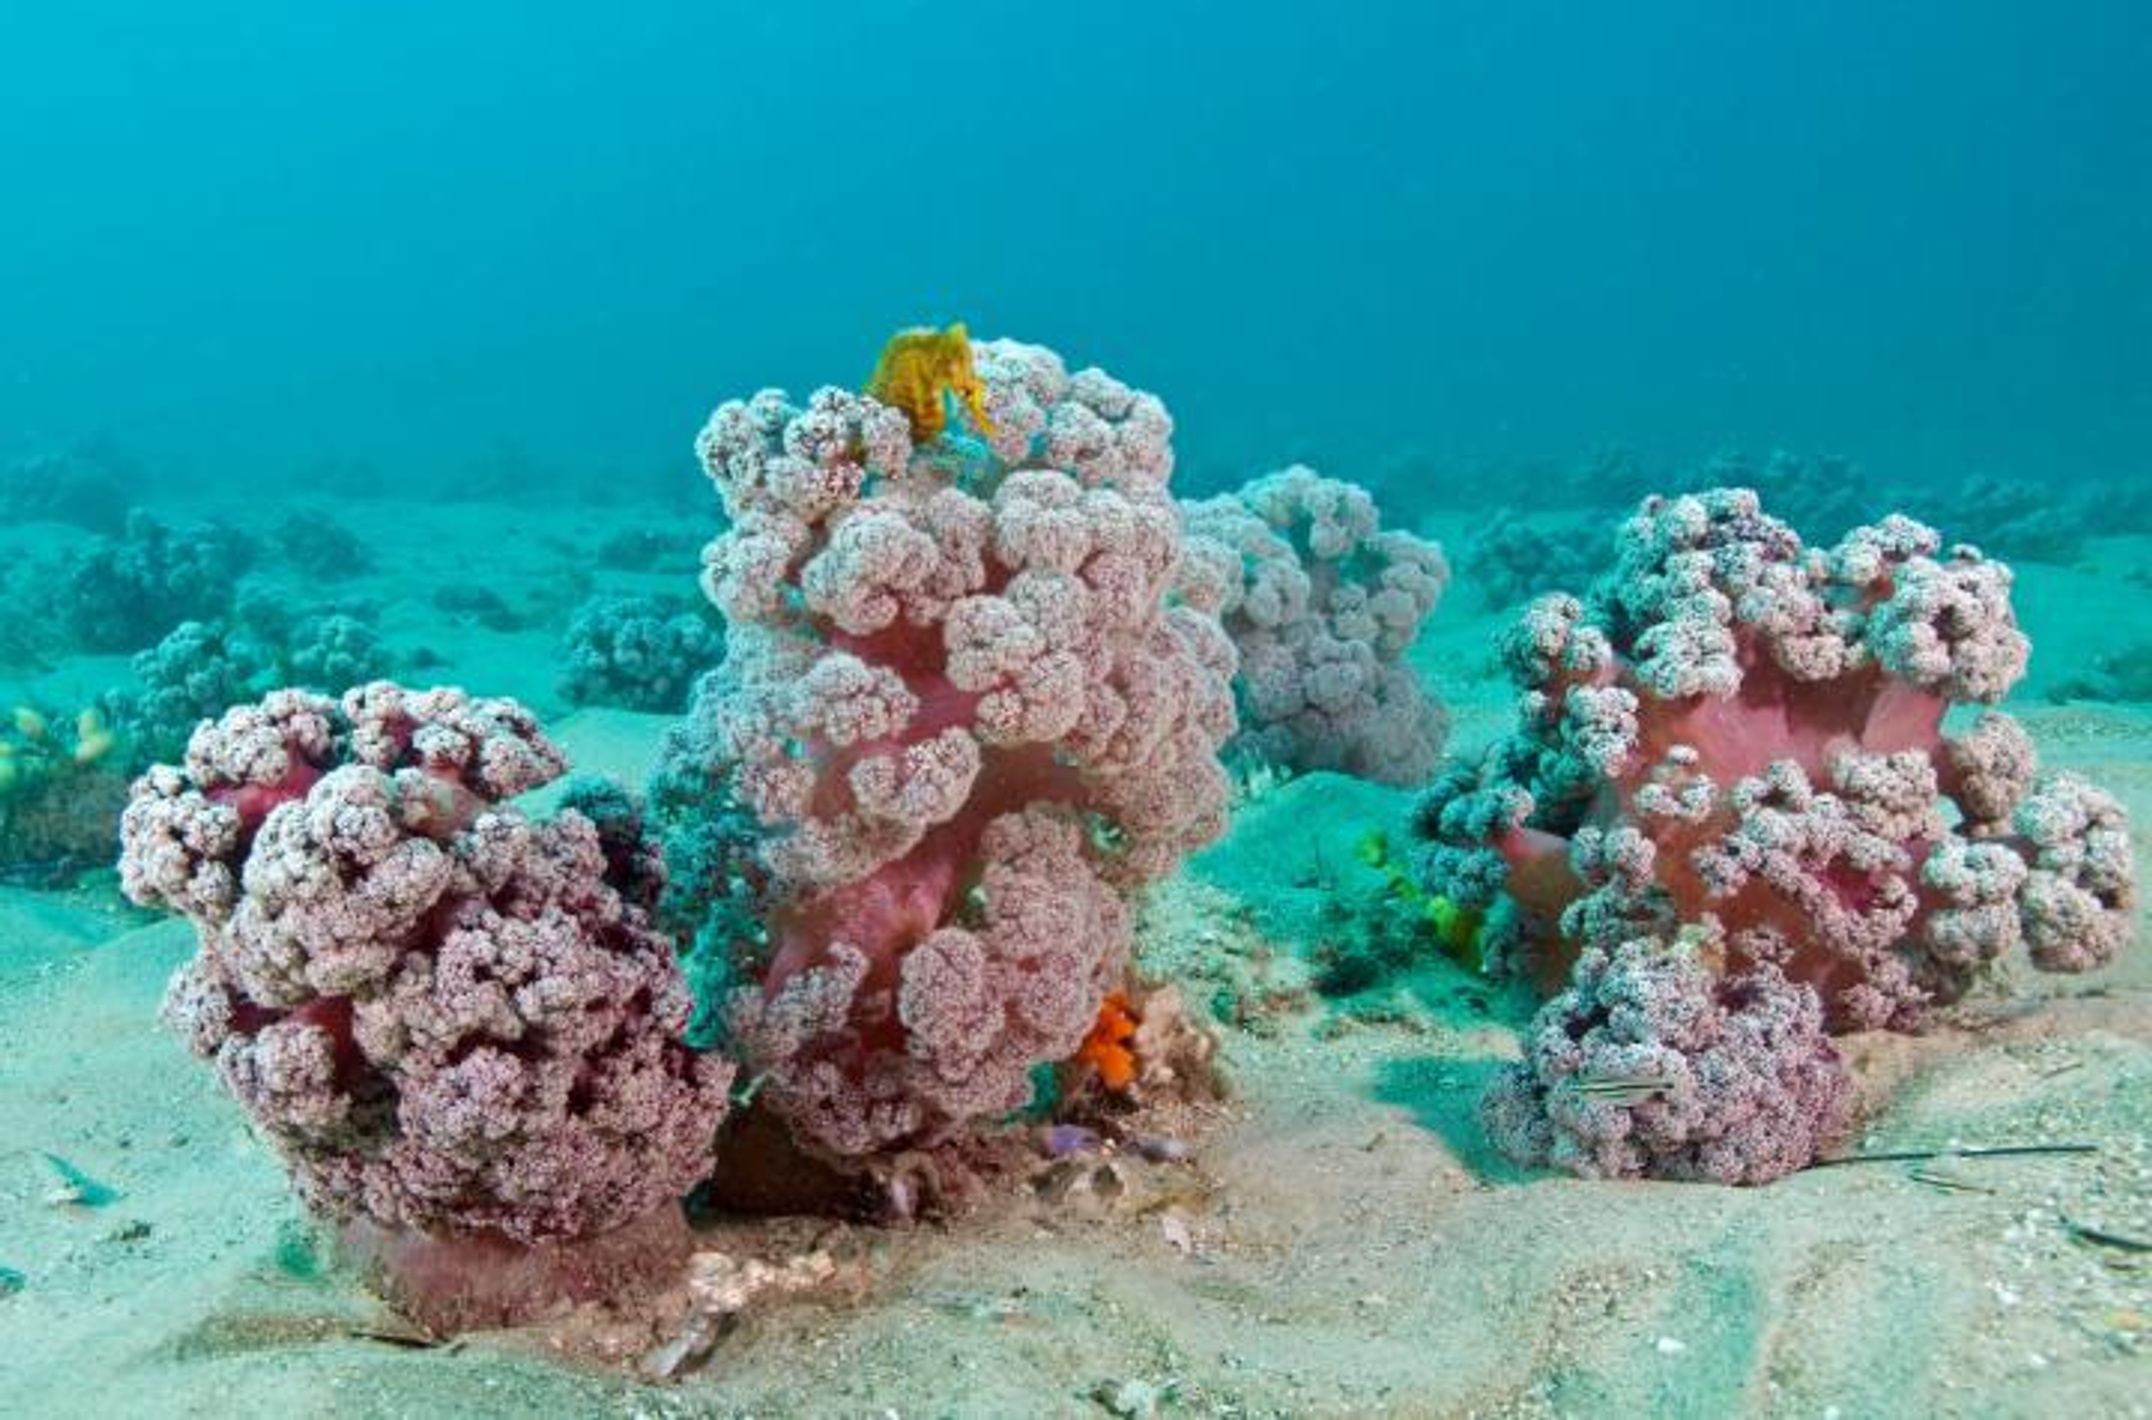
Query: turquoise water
253, 238
1194, 1058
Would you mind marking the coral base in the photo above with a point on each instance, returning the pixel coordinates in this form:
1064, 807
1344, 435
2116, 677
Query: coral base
478, 1281
767, 1173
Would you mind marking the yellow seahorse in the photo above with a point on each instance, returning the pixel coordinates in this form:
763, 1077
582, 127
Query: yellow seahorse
918, 368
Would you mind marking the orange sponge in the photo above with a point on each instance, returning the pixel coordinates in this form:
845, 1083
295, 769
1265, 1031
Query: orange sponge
1105, 1049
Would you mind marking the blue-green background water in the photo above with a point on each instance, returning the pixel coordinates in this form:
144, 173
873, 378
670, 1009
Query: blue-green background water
242, 239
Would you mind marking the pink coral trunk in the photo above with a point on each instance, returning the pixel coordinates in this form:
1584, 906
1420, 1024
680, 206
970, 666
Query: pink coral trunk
481, 1281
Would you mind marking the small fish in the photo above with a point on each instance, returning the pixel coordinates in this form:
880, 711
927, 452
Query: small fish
2121, 1242
403, 1340
77, 1187
978, 1306
1162, 1149
1624, 1090
1949, 1183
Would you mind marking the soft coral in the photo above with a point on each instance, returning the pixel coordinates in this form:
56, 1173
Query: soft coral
959, 718
1740, 735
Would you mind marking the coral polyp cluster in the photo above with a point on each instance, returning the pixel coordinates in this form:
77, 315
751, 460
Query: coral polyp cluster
1322, 603
1654, 1060
959, 719
125, 591
637, 652
1737, 744
454, 1021
199, 669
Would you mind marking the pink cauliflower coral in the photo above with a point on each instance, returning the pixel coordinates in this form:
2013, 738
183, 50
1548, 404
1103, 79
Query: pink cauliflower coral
1651, 1062
1745, 737
959, 719
450, 1019
1321, 604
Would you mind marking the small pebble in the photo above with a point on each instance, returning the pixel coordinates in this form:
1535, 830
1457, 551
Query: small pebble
1131, 1400
1160, 1149
1058, 1141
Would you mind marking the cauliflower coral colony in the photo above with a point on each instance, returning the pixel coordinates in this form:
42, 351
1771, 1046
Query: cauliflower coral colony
959, 720
978, 678
1730, 821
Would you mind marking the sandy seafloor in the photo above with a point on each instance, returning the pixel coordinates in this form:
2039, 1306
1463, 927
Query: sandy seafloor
1345, 1243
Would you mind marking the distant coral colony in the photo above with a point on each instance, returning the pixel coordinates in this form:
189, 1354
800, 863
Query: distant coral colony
969, 679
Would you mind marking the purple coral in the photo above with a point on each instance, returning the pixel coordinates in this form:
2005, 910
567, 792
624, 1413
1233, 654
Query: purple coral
1321, 603
448, 1017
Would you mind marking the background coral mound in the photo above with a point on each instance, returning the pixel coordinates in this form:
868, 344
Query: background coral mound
1321, 603
199, 669
957, 721
1509, 560
1742, 736
450, 1018
637, 652
124, 592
